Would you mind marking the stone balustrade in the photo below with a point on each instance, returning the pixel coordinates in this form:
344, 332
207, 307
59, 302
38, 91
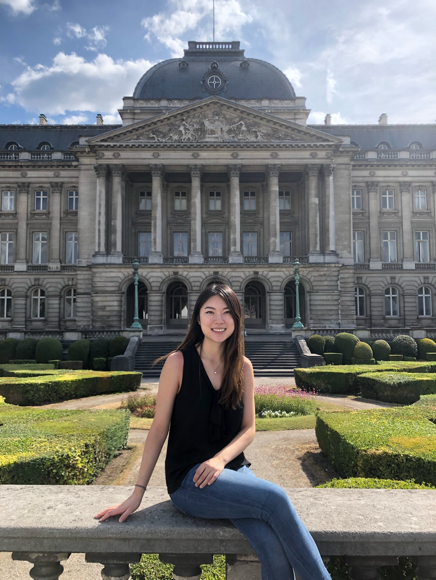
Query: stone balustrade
371, 528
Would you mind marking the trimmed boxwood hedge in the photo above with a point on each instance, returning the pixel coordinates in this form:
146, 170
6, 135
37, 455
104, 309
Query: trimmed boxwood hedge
13, 367
333, 358
79, 351
99, 348
66, 385
8, 347
397, 443
316, 344
118, 346
373, 483
402, 388
345, 343
53, 447
48, 349
26, 348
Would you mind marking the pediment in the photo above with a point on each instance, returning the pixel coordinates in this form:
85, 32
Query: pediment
214, 120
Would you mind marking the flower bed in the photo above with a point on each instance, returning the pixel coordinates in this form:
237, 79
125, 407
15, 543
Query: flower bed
281, 399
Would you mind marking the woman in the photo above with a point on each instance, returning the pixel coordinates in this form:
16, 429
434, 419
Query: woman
206, 394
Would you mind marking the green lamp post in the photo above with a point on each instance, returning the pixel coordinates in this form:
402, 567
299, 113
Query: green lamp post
297, 323
136, 324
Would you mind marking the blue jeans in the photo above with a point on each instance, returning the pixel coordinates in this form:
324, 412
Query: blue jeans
263, 513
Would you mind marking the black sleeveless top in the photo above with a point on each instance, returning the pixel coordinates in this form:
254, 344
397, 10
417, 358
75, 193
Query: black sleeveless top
200, 426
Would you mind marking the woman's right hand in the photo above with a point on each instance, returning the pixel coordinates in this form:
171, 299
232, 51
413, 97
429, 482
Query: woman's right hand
125, 509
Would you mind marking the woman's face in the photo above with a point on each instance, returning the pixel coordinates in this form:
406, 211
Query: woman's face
215, 320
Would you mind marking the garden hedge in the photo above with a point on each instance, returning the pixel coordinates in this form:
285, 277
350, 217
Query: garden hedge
13, 367
8, 347
405, 345
343, 379
99, 348
373, 483
345, 343
395, 357
73, 365
397, 443
48, 349
402, 388
333, 358
329, 343
79, 351
53, 447
23, 361
66, 385
381, 350
316, 344
118, 346
99, 364
362, 351
26, 348
425, 345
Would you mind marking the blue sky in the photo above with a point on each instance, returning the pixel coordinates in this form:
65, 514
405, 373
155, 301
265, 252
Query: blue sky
72, 59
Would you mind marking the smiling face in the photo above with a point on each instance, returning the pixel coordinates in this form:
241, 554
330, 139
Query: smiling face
216, 320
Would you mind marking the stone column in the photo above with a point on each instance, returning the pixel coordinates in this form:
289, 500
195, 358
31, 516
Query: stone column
275, 311
55, 231
156, 256
314, 246
329, 172
86, 215
408, 242
100, 214
196, 256
19, 309
274, 256
426, 569
156, 311
20, 260
115, 565
84, 299
117, 215
46, 566
235, 256
374, 233
52, 310
243, 567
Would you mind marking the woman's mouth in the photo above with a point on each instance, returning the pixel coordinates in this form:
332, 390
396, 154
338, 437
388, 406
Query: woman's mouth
218, 329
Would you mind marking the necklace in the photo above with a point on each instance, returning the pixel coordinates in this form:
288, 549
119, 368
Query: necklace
215, 371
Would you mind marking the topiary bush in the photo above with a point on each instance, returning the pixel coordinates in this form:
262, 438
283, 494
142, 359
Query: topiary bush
99, 348
426, 345
329, 345
26, 349
99, 364
74, 365
362, 351
395, 357
431, 356
405, 345
333, 358
48, 349
79, 350
345, 343
118, 345
55, 363
381, 350
8, 348
25, 361
316, 344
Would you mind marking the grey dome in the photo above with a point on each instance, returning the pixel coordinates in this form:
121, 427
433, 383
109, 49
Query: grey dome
186, 78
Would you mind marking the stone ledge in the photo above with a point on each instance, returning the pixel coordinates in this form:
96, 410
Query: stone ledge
342, 521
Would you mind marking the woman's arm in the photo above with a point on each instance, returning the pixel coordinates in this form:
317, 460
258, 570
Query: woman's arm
209, 470
169, 384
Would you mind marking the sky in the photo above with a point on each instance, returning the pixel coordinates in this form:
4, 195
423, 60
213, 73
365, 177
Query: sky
72, 59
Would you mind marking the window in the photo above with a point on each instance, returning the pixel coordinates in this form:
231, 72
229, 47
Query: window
249, 200
389, 247
180, 201
358, 249
72, 246
8, 200
70, 303
356, 199
388, 199
284, 199
13, 147
40, 248
420, 196
286, 243
415, 146
181, 243
424, 301
144, 241
145, 200
391, 302
215, 200
45, 148
40, 200
359, 294
215, 244
250, 243
38, 303
7, 248
73, 200
422, 253
5, 303
383, 146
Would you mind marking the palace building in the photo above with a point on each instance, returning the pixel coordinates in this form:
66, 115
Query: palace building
214, 174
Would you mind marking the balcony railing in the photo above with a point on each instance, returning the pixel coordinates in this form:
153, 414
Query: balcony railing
419, 155
369, 527
389, 333
38, 334
360, 155
361, 266
68, 267
255, 259
6, 267
130, 260
9, 156
176, 260
40, 156
69, 157
37, 267
216, 260
392, 266
100, 333
387, 154
291, 259
424, 266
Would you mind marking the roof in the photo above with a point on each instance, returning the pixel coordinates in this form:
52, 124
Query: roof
60, 137
398, 136
239, 77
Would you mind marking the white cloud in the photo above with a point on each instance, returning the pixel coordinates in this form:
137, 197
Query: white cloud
112, 119
72, 83
20, 6
330, 87
75, 30
20, 60
57, 40
75, 120
294, 75
96, 37
54, 7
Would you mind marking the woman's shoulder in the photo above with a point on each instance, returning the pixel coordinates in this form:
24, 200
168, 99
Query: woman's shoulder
247, 366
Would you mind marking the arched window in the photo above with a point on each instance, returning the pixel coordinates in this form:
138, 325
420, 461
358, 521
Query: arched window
178, 302
391, 302
359, 294
415, 145
424, 301
12, 146
70, 303
252, 301
74, 144
38, 303
5, 303
383, 145
44, 146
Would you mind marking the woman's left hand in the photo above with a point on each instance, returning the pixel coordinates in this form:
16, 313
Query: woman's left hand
208, 472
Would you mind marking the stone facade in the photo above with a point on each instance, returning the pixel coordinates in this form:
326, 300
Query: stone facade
217, 188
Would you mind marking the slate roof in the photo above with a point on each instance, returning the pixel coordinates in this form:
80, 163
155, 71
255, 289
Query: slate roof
398, 136
60, 137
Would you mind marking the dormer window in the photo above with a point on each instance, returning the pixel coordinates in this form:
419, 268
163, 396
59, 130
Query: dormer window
13, 147
383, 146
44, 146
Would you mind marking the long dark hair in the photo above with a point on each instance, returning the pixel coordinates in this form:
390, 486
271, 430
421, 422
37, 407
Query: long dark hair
232, 383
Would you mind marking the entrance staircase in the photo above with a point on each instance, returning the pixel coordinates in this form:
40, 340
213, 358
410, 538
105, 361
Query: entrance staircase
269, 358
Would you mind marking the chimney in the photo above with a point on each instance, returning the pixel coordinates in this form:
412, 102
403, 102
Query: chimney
383, 119
42, 119
99, 119
328, 119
